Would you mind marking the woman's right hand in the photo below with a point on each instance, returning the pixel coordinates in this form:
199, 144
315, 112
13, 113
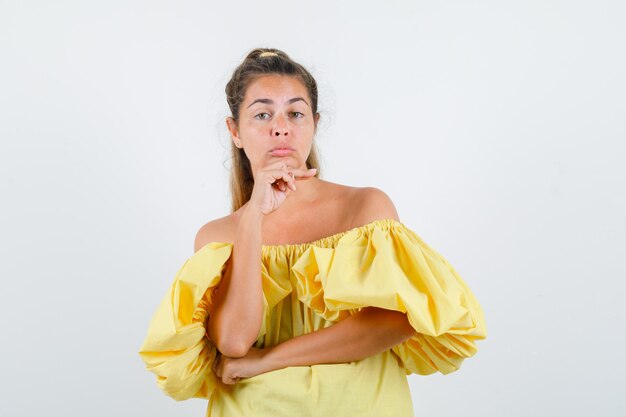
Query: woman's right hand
272, 186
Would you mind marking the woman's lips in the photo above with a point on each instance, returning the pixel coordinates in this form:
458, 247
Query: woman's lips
281, 152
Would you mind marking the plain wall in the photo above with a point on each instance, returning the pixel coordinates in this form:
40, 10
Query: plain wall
497, 128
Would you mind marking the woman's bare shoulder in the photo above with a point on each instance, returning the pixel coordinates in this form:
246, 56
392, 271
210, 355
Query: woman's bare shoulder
354, 207
371, 204
218, 230
365, 204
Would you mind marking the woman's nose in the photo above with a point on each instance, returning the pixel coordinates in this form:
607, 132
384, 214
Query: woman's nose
280, 127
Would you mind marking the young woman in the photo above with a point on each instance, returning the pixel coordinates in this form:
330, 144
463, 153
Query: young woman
311, 298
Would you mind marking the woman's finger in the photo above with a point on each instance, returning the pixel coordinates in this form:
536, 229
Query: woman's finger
289, 180
293, 173
285, 177
303, 173
281, 178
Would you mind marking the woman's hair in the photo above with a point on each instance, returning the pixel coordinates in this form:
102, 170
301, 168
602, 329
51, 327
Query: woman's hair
252, 67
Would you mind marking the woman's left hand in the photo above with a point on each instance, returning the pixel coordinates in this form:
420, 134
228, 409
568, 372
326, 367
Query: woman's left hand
231, 370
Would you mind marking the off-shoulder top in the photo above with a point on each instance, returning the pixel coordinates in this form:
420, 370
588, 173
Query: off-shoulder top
307, 287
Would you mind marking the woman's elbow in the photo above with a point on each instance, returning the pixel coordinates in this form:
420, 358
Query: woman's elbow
234, 350
231, 342
227, 345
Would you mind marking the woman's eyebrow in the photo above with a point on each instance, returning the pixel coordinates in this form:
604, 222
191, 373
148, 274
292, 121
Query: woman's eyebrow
269, 101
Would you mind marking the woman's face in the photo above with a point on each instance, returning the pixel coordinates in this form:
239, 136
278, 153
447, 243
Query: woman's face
275, 113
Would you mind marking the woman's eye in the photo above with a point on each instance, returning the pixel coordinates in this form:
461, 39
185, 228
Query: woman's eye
261, 116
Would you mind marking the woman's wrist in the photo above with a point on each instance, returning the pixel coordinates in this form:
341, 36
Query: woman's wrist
271, 361
249, 227
253, 212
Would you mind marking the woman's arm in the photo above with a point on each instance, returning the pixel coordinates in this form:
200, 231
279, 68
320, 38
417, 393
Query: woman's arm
370, 331
366, 333
237, 311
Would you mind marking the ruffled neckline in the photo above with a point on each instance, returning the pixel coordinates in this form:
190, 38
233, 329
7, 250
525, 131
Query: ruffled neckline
332, 240
323, 242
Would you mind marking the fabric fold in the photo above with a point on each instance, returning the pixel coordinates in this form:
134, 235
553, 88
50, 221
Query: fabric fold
177, 348
389, 266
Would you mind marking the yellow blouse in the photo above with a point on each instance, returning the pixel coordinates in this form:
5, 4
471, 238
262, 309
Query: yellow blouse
306, 287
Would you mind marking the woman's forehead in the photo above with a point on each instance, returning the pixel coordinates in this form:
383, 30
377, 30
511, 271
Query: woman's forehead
275, 87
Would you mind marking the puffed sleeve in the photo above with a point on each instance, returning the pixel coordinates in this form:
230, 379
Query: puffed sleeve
177, 348
385, 264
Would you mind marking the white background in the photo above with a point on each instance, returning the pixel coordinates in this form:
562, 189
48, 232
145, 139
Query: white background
496, 127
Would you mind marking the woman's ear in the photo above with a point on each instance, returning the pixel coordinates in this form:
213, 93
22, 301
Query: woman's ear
234, 134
